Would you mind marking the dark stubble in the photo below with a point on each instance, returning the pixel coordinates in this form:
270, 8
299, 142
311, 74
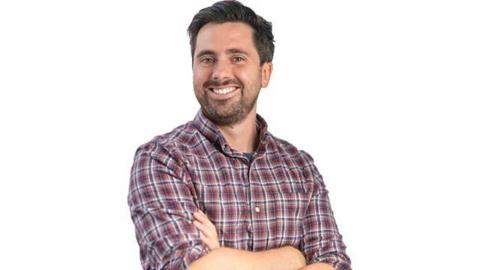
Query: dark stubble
235, 113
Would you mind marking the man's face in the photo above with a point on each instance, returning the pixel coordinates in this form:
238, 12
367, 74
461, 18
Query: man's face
227, 76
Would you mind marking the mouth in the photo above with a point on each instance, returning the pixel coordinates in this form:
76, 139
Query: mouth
223, 92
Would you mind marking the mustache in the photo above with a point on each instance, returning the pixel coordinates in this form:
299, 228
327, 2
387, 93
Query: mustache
218, 83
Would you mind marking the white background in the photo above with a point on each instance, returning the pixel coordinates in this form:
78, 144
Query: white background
383, 94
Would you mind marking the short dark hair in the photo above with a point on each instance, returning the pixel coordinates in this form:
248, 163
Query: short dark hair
234, 11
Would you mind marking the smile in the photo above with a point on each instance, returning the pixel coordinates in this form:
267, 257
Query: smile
223, 91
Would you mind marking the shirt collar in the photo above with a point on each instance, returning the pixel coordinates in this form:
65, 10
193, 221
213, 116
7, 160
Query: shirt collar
208, 129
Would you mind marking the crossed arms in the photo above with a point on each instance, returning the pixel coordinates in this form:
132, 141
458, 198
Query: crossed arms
162, 202
287, 258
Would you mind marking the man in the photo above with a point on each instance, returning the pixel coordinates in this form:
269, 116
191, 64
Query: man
221, 192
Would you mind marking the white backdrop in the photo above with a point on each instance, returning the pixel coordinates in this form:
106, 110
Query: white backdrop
383, 94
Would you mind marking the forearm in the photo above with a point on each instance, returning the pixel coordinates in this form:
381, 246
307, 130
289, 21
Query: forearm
318, 266
284, 258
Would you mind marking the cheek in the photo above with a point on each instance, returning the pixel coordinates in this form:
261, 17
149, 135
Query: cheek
247, 76
199, 76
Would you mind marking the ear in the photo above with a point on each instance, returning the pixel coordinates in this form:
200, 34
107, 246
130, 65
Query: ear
267, 69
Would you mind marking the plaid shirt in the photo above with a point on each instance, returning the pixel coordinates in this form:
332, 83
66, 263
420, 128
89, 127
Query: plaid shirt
276, 199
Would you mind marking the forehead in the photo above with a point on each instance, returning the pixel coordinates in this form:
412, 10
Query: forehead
219, 37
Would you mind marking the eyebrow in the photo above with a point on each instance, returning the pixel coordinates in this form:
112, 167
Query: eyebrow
204, 52
229, 51
232, 51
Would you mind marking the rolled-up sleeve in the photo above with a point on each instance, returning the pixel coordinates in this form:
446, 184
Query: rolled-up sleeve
161, 200
322, 241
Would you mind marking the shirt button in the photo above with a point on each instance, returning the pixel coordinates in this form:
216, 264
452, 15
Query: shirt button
257, 209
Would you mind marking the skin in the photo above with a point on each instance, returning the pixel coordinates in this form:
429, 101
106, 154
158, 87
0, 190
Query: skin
208, 234
226, 56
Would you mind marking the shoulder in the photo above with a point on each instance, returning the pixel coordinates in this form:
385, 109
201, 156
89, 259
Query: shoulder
298, 162
176, 142
300, 157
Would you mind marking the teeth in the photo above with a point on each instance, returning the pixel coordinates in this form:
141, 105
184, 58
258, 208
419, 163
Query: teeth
223, 91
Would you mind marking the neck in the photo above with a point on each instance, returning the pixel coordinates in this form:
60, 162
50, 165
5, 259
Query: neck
242, 136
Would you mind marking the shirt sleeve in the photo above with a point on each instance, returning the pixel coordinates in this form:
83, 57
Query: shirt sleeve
322, 241
161, 201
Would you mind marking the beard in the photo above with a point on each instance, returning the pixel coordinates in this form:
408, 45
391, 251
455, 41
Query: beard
231, 111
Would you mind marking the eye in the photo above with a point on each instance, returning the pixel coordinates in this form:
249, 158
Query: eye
207, 60
237, 59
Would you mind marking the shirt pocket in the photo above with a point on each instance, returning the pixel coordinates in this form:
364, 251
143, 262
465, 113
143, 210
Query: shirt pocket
291, 180
291, 202
288, 213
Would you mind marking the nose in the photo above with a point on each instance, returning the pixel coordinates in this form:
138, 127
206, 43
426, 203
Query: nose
221, 71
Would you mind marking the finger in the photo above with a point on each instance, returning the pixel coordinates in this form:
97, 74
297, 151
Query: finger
207, 236
210, 225
204, 219
208, 228
204, 229
210, 242
206, 241
200, 216
206, 222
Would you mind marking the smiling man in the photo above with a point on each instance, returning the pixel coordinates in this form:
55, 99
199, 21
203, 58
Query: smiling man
221, 192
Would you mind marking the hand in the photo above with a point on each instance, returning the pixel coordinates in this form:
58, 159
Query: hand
208, 232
